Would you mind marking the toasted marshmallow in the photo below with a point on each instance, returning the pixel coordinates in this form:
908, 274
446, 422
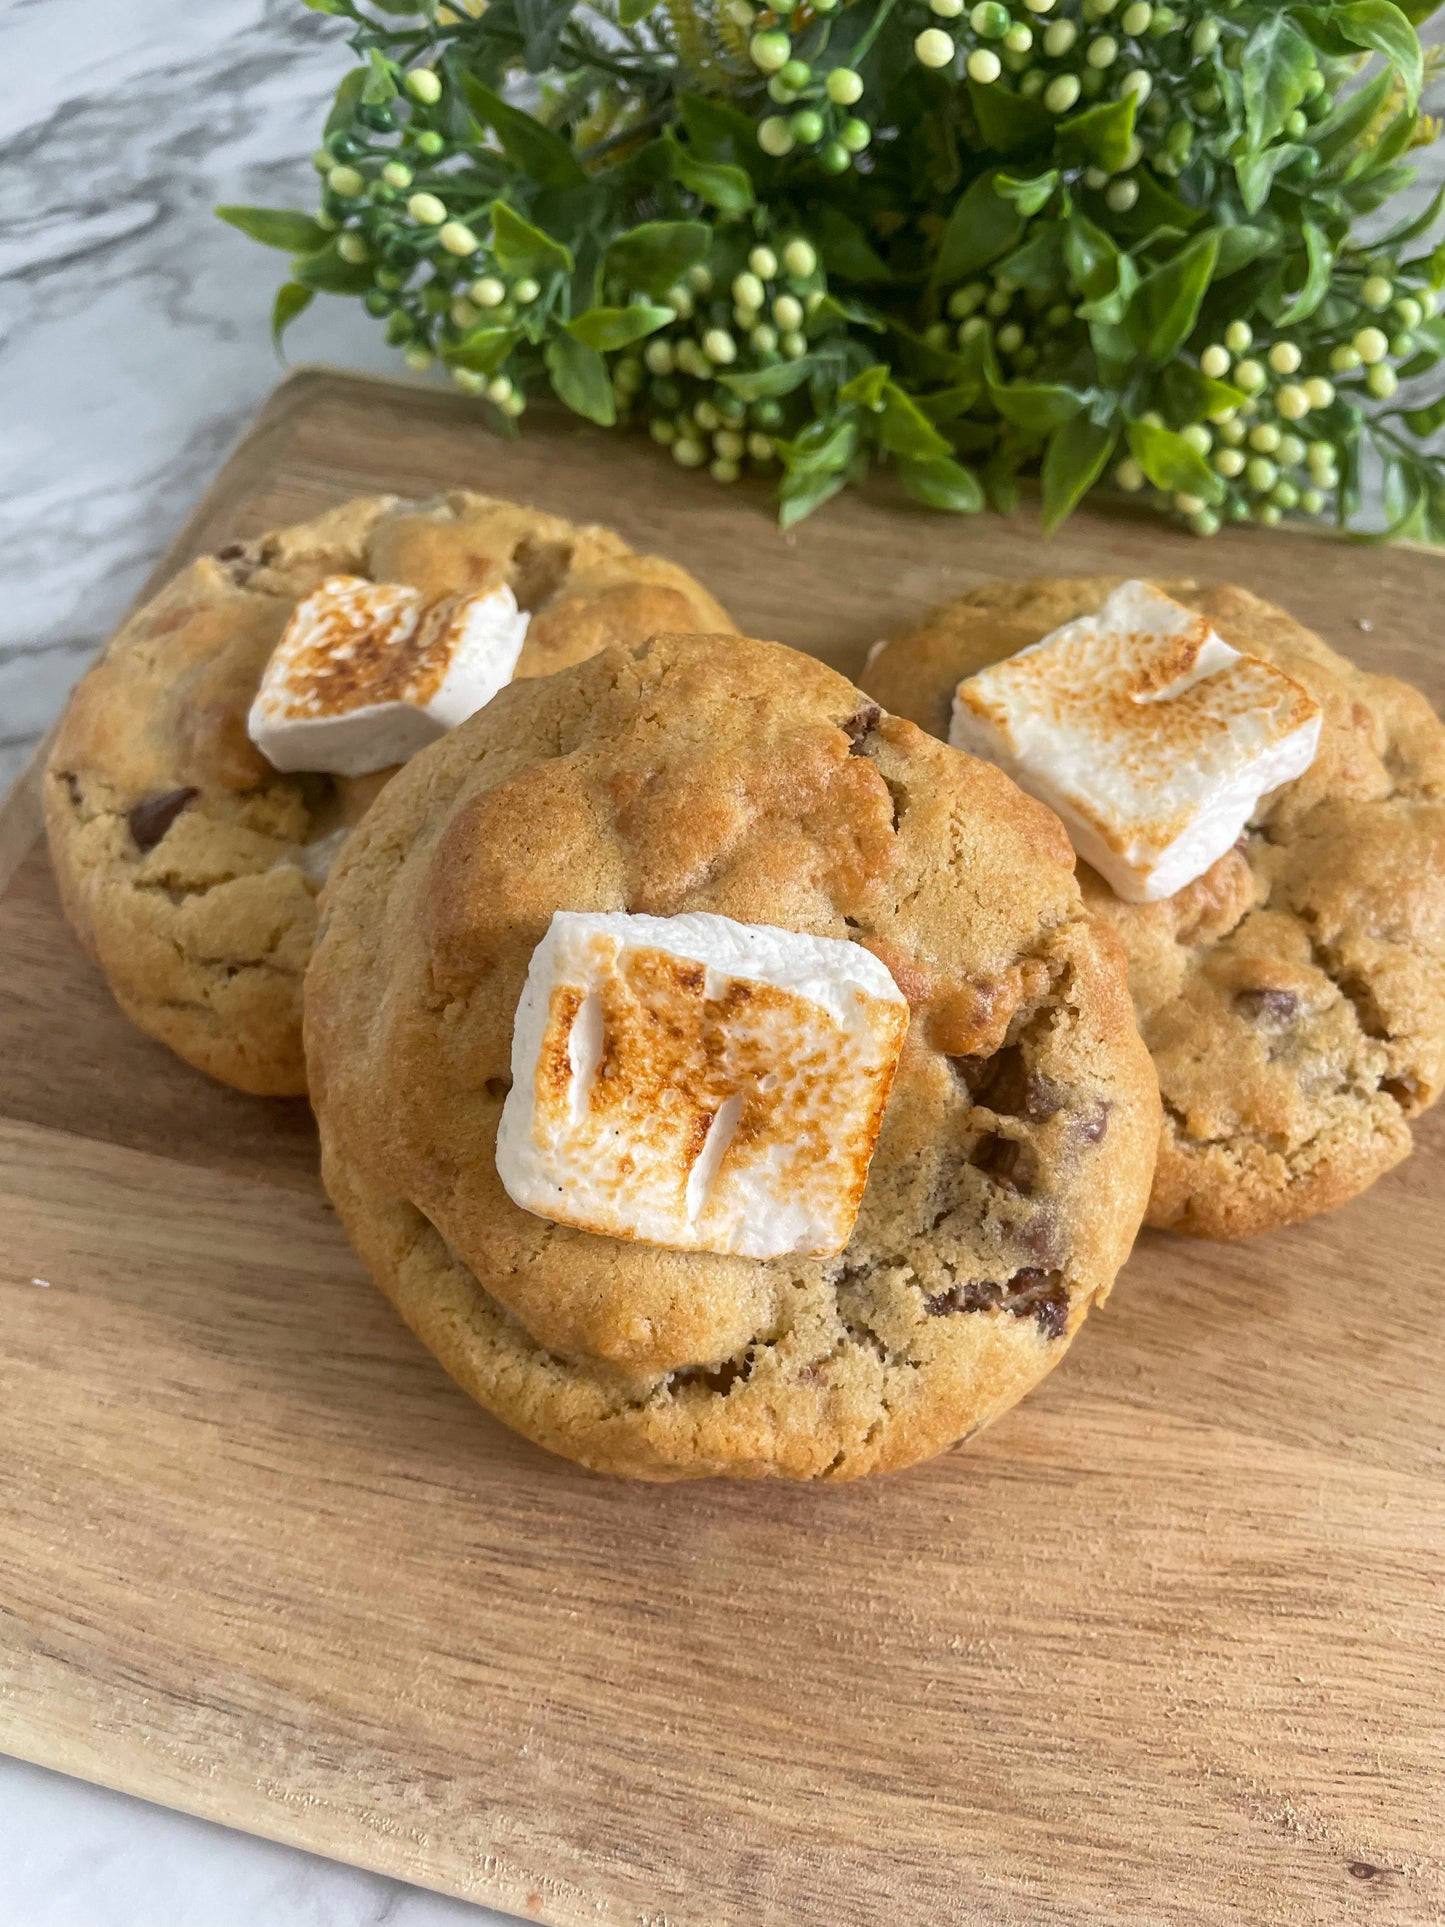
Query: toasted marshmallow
699, 1083
365, 674
1145, 731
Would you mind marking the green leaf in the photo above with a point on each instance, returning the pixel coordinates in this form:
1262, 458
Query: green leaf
1099, 134
1028, 193
1040, 406
1427, 420
1241, 244
327, 272
483, 349
982, 226
865, 390
325, 6
828, 443
537, 150
841, 308
1166, 303
1170, 463
1255, 172
1092, 257
1349, 118
541, 22
805, 491
1039, 264
949, 403
629, 12
780, 378
1275, 68
291, 299
277, 227
942, 484
344, 101
1073, 462
717, 131
653, 256
1320, 260
579, 375
904, 429
524, 249
380, 83
1380, 26
848, 254
609, 328
724, 187
1007, 123
1187, 394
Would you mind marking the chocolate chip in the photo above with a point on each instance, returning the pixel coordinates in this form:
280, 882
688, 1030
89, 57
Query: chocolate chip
150, 820
497, 1087
72, 788
861, 723
1030, 1293
1279, 1005
1091, 1125
1005, 1084
232, 552
1007, 1162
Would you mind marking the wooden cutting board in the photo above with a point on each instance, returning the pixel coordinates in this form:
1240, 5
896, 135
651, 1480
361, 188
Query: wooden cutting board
1167, 1645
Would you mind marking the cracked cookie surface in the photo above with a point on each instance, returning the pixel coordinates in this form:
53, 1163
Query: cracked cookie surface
1015, 1154
1292, 997
188, 866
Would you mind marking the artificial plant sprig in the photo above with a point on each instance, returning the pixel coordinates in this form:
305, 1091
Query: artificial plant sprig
1115, 242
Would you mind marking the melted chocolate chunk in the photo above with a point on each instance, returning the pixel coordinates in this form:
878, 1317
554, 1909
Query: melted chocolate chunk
861, 723
149, 820
72, 788
1280, 1005
1005, 1084
1091, 1126
232, 552
1009, 1164
1030, 1293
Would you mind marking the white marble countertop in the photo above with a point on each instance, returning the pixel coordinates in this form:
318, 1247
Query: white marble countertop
134, 346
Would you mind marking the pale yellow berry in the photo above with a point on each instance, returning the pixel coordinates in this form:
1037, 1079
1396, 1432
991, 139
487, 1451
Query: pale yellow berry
934, 47
1128, 475
764, 263
1321, 392
1215, 361
1229, 462
457, 238
427, 210
423, 85
345, 181
1293, 402
488, 292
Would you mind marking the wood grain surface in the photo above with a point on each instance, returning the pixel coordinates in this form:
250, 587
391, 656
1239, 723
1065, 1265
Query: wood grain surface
1167, 1645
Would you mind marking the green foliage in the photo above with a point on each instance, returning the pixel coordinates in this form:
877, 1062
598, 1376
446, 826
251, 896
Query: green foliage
1102, 235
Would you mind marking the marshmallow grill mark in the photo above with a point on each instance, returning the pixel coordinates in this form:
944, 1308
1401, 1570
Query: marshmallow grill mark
365, 674
699, 1083
1149, 735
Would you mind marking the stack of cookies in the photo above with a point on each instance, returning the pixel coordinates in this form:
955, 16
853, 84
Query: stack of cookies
726, 1070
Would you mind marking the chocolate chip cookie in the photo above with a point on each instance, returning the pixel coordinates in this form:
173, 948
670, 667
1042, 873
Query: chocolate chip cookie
1016, 1148
1293, 996
188, 866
